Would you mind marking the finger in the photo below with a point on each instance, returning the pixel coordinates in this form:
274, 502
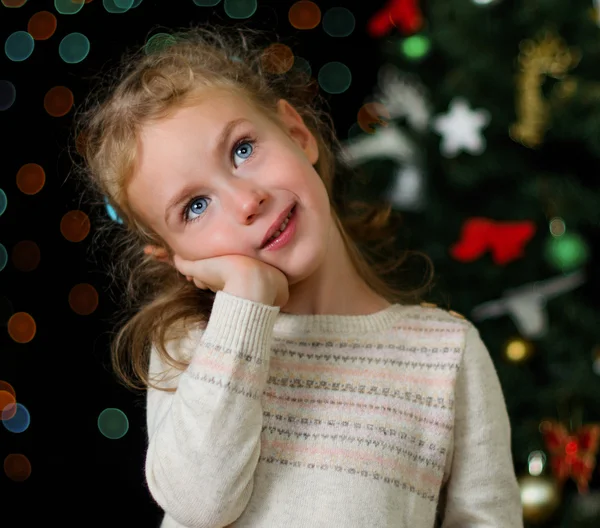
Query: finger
185, 267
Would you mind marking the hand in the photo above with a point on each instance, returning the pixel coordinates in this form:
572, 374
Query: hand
238, 275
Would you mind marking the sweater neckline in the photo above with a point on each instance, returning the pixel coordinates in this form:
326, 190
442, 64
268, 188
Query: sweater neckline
335, 324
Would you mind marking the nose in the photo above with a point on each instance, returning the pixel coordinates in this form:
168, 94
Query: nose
246, 201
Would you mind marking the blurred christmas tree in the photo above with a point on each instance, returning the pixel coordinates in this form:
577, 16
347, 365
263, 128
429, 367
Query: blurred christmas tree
484, 133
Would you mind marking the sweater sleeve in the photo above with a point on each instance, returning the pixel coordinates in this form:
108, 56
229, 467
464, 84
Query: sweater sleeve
204, 438
482, 489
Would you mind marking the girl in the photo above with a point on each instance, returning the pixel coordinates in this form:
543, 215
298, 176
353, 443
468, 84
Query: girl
288, 385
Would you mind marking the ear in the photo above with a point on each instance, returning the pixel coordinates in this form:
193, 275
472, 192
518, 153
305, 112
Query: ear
296, 128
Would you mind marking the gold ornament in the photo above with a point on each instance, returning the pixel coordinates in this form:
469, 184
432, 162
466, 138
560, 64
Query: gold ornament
518, 350
540, 497
547, 56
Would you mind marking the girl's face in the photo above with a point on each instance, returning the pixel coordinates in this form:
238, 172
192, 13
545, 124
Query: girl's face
211, 179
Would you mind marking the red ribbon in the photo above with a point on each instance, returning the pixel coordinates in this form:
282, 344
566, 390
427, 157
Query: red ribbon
572, 455
506, 240
403, 14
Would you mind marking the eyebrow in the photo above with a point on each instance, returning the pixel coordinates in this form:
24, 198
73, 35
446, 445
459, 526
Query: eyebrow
222, 139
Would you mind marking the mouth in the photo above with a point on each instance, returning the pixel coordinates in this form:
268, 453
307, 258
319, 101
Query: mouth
278, 226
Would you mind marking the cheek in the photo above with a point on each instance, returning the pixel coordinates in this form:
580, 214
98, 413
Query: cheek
208, 243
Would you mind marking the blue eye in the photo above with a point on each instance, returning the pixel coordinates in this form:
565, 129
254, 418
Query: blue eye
194, 207
244, 150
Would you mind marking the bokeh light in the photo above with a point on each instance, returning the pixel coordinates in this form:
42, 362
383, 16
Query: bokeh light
3, 202
5, 386
117, 6
277, 58
335, 77
415, 47
518, 350
113, 423
112, 214
557, 226
21, 327
26, 255
20, 419
42, 25
19, 46
58, 101
3, 257
8, 94
158, 42
536, 462
74, 48
13, 3
75, 226
301, 64
372, 115
338, 22
240, 9
17, 467
83, 299
31, 178
68, 7
567, 252
6, 399
304, 15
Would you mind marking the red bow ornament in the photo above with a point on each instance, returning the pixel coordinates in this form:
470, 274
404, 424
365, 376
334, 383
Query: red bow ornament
572, 455
506, 240
403, 14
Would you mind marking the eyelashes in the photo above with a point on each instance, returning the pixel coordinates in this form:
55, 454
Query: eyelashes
237, 144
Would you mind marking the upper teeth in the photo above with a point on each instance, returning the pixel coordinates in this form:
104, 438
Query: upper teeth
281, 227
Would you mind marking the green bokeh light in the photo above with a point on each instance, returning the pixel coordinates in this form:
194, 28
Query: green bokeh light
334, 77
113, 423
415, 47
117, 6
3, 257
68, 7
159, 42
567, 252
302, 65
240, 9
74, 48
338, 22
19, 46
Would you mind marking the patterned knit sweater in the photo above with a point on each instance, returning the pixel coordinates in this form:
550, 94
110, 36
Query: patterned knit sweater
393, 419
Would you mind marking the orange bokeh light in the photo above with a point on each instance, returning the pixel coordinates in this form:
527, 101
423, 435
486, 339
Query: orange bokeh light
83, 299
21, 327
277, 58
26, 255
75, 226
31, 178
58, 101
17, 467
7, 404
42, 25
304, 15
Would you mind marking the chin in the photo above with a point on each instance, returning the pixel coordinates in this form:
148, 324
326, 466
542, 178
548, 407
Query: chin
300, 268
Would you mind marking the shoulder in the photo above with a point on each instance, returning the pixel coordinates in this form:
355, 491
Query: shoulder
428, 314
429, 328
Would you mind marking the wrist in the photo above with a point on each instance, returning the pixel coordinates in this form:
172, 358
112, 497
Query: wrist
250, 290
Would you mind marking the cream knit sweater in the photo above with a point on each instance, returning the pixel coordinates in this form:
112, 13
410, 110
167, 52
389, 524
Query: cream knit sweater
393, 419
